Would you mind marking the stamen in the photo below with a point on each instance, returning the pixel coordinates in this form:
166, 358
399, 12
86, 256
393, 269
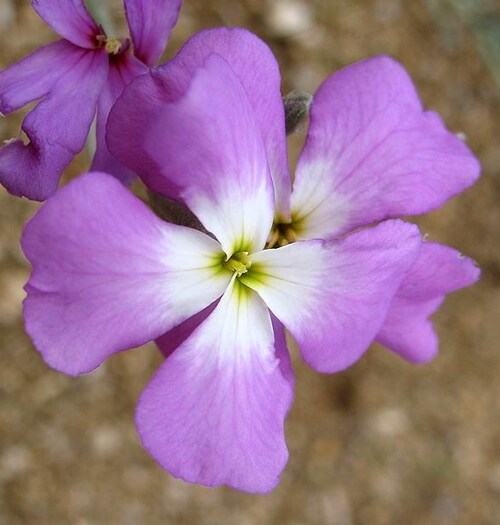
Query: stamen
101, 40
239, 263
113, 46
289, 233
281, 235
273, 238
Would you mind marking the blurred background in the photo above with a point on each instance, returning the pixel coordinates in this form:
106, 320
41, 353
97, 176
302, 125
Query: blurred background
383, 443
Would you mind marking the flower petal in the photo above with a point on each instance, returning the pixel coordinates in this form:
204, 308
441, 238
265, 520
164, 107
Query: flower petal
215, 160
33, 76
437, 271
122, 70
70, 19
333, 297
170, 341
151, 22
372, 153
57, 129
130, 120
408, 331
109, 275
255, 67
282, 351
214, 412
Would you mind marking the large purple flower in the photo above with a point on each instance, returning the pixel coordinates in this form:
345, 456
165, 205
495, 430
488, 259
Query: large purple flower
75, 77
372, 153
208, 130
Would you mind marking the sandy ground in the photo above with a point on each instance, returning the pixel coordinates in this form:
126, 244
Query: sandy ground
383, 443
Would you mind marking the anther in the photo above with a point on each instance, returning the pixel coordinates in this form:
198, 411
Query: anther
112, 46
281, 235
239, 263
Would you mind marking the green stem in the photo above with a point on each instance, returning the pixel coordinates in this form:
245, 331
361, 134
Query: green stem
100, 12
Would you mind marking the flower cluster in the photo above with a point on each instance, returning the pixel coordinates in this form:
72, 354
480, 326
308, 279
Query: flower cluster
322, 255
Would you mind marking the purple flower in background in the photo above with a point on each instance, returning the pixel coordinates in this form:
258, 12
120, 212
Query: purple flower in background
208, 130
75, 77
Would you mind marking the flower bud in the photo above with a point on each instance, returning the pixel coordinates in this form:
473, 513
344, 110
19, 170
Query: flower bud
297, 106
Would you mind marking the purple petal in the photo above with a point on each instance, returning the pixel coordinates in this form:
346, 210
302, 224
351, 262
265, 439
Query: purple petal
70, 19
333, 297
122, 70
209, 151
282, 351
437, 271
170, 341
256, 68
109, 275
130, 119
33, 76
151, 22
214, 412
57, 128
408, 331
372, 153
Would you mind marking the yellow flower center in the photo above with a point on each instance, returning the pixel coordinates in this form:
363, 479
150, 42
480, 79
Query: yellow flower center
239, 263
112, 45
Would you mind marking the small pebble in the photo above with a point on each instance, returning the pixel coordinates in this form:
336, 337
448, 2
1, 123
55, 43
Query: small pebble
289, 17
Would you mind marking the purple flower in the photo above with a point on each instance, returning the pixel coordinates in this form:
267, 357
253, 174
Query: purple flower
75, 77
208, 130
372, 153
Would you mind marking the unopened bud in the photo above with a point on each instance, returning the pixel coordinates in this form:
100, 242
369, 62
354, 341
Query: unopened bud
174, 212
296, 109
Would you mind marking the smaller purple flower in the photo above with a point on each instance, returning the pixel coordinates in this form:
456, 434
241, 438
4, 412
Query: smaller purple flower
75, 77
